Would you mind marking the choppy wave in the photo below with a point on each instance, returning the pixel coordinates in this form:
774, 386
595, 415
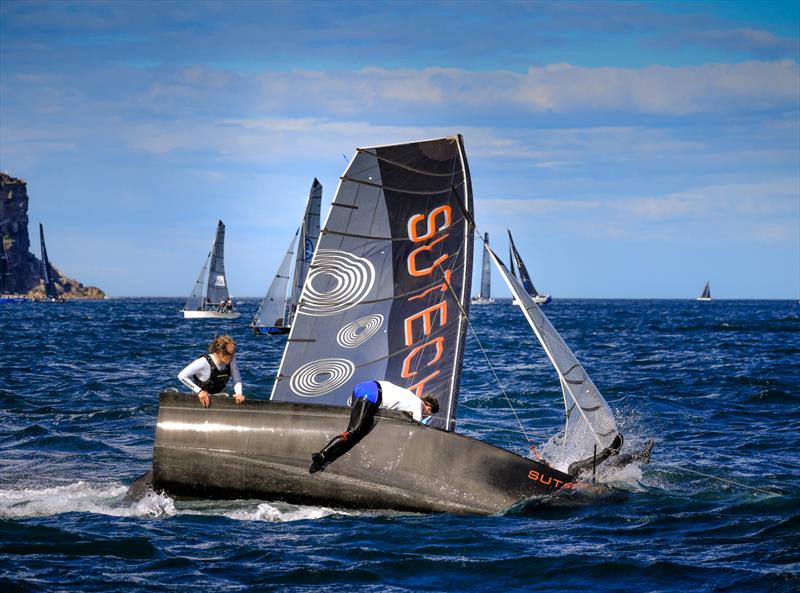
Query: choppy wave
716, 510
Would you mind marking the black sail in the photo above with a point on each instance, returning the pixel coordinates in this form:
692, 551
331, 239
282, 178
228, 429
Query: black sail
4, 282
524, 277
47, 270
388, 287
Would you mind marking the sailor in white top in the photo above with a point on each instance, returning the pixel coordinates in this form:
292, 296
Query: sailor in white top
367, 397
210, 373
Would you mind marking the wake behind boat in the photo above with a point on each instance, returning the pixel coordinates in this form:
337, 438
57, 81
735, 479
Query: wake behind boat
277, 309
210, 297
386, 298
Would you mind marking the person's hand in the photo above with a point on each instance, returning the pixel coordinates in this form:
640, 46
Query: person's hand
238, 398
204, 399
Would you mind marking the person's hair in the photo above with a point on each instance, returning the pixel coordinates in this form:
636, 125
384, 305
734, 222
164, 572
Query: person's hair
432, 402
220, 344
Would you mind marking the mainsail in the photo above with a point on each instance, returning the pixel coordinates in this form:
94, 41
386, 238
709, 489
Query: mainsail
706, 292
486, 272
47, 270
309, 236
590, 434
376, 302
524, 277
272, 310
217, 291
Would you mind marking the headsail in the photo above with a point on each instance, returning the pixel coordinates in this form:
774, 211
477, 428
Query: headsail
272, 310
47, 269
309, 237
591, 432
375, 304
217, 291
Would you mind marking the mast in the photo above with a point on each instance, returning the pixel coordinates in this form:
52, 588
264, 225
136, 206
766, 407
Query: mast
375, 304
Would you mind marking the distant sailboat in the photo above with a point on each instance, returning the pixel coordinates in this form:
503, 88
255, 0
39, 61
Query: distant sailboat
48, 277
276, 311
524, 277
5, 278
706, 295
485, 295
210, 297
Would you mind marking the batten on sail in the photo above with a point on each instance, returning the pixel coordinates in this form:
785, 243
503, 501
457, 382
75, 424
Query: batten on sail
590, 432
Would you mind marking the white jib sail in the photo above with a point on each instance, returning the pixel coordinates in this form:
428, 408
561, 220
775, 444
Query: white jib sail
589, 419
272, 310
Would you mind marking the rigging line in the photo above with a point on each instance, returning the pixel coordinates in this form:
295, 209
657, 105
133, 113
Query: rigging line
486, 356
691, 471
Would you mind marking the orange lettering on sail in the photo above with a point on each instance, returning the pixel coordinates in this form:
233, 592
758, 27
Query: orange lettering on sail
427, 320
412, 259
432, 228
438, 342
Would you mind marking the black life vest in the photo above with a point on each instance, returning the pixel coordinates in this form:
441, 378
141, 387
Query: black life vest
217, 380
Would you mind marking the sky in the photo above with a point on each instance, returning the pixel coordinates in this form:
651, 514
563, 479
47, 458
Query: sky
634, 149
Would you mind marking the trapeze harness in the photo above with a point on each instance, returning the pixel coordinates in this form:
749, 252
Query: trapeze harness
217, 380
366, 401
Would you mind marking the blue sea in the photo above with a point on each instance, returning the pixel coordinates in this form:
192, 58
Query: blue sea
716, 385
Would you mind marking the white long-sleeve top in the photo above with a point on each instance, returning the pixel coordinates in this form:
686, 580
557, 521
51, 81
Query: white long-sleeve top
202, 370
394, 397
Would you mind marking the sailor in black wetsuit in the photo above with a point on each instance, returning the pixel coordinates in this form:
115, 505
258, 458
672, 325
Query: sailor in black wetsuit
367, 397
210, 373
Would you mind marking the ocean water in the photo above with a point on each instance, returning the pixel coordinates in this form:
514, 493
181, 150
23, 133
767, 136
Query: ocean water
716, 385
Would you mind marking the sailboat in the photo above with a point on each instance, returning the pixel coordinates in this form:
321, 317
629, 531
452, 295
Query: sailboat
5, 278
210, 297
706, 294
386, 298
485, 295
276, 311
524, 277
47, 273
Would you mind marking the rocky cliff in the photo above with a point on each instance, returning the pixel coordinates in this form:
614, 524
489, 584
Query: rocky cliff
23, 269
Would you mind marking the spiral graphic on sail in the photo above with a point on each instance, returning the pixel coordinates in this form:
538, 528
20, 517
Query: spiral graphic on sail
353, 279
359, 331
319, 377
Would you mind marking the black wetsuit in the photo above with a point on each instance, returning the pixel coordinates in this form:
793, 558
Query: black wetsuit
366, 401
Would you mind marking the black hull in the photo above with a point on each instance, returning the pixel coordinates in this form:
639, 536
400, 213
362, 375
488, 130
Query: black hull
262, 449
